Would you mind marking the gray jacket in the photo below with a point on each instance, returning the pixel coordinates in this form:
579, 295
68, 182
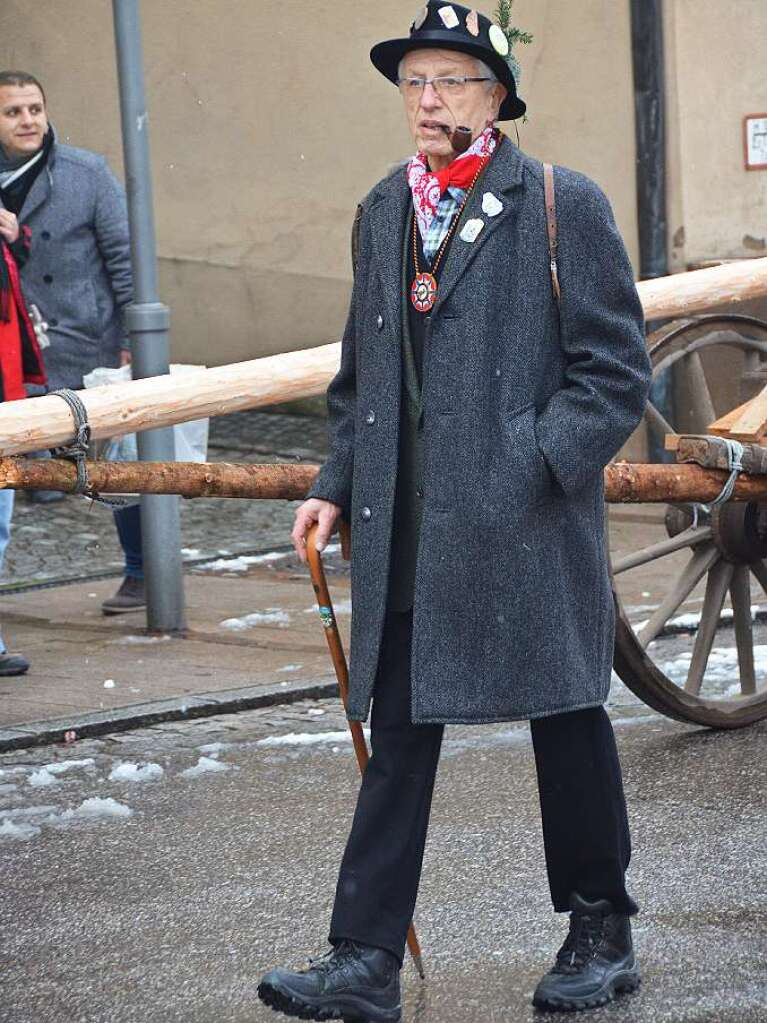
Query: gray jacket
513, 613
78, 273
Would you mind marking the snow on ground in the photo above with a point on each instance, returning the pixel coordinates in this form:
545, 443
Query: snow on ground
307, 738
341, 607
127, 771
206, 765
91, 809
291, 667
23, 831
722, 666
271, 616
139, 640
240, 564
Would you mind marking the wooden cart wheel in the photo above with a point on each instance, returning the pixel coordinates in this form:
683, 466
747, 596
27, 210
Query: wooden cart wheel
692, 656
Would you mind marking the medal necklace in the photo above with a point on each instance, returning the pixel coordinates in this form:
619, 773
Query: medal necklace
423, 291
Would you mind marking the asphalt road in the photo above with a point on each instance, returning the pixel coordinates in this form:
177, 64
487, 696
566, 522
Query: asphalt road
172, 910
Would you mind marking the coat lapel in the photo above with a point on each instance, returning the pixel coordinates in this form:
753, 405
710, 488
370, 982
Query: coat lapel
38, 193
502, 177
388, 214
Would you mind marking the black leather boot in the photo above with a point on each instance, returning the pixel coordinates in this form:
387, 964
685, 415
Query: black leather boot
595, 963
352, 982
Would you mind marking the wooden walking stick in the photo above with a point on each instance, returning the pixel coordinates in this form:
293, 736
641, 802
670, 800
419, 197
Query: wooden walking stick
332, 635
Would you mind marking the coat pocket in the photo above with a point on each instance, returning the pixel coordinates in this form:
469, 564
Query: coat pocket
516, 478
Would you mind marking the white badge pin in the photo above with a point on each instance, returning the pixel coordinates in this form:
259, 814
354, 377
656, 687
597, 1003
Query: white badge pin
472, 230
491, 205
498, 40
449, 17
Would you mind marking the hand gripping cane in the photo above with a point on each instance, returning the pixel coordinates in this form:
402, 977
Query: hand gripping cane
335, 646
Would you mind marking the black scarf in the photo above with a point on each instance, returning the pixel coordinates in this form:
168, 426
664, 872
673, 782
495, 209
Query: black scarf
14, 196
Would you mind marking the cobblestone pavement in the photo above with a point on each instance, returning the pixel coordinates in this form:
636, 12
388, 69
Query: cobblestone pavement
75, 538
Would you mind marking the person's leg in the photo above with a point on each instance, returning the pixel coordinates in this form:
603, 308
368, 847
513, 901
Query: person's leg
588, 848
128, 523
10, 664
381, 867
131, 595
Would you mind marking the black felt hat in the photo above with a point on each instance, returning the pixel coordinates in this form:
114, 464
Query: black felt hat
448, 26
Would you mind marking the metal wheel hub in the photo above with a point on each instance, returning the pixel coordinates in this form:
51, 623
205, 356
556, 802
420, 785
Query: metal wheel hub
740, 532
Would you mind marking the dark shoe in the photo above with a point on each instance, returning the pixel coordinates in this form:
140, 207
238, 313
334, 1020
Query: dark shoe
130, 597
353, 982
595, 963
45, 496
13, 664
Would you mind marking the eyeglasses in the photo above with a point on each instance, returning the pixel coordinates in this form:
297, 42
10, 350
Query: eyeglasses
412, 88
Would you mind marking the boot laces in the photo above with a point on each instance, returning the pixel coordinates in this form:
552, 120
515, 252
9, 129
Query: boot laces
335, 959
580, 944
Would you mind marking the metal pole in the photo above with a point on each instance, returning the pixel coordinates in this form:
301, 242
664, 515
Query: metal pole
650, 127
147, 320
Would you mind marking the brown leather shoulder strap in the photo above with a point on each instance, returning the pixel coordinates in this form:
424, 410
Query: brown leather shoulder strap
551, 225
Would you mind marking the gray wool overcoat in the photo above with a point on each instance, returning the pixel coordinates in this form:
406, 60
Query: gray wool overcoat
522, 409
79, 270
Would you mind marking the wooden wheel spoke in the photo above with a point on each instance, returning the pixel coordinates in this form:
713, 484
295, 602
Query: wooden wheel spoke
689, 538
717, 584
740, 594
701, 408
701, 561
657, 423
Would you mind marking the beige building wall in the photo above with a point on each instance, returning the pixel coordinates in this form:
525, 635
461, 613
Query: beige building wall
268, 123
716, 77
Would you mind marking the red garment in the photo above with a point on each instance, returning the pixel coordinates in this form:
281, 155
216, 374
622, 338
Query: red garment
20, 358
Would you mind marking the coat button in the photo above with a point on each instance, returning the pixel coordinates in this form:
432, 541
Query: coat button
380, 322
419, 492
370, 418
48, 279
45, 235
366, 514
53, 322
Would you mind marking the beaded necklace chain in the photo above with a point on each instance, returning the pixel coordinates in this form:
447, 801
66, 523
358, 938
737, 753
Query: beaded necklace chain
423, 291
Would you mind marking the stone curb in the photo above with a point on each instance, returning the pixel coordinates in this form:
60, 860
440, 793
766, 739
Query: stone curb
123, 719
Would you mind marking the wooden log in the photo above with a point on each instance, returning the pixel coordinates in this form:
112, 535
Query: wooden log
162, 401
187, 479
46, 422
625, 482
684, 294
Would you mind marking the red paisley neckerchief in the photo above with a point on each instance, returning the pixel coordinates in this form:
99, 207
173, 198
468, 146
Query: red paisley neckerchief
428, 188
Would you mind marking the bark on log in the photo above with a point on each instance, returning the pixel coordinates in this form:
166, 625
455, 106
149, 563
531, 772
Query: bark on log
46, 422
625, 482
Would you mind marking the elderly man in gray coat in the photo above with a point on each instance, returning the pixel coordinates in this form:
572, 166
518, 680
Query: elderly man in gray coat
486, 379
79, 272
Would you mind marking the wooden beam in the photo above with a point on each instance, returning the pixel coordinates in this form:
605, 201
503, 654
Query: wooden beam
46, 422
625, 482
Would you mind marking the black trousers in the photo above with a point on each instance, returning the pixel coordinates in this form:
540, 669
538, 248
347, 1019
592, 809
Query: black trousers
585, 827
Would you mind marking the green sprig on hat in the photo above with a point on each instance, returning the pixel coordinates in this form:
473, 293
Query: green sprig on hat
513, 34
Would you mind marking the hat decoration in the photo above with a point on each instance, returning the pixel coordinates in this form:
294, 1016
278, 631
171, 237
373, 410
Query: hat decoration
512, 36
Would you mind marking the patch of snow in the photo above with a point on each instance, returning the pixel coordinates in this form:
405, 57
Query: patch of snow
214, 748
307, 738
91, 809
139, 640
7, 788
315, 712
291, 667
722, 666
109, 683
190, 552
18, 831
127, 771
27, 811
271, 616
240, 564
39, 779
205, 765
341, 607
61, 766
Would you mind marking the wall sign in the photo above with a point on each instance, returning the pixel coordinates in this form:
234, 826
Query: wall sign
755, 141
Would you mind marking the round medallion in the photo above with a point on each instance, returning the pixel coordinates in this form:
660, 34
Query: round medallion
498, 40
423, 293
